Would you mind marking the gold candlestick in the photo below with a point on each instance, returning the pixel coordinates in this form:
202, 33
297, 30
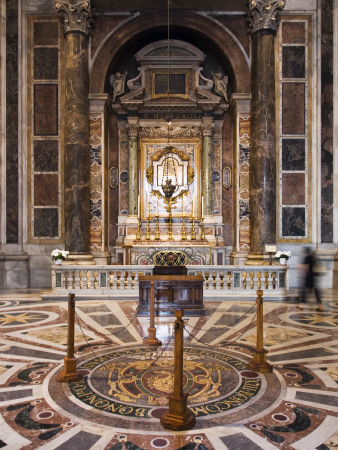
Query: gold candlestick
157, 230
184, 234
170, 233
148, 229
138, 234
193, 232
202, 229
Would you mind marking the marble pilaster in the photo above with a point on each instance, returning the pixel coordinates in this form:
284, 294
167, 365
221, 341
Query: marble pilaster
263, 23
76, 19
207, 129
133, 188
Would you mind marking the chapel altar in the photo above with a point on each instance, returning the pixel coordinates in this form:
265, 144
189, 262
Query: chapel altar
171, 132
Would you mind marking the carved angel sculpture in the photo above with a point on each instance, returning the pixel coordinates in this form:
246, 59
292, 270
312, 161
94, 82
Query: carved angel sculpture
221, 84
117, 82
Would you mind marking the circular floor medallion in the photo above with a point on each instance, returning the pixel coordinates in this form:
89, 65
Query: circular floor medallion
134, 383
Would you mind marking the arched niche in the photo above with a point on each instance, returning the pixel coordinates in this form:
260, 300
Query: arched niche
153, 26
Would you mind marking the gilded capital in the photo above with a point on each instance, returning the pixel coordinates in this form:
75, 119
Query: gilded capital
264, 14
75, 16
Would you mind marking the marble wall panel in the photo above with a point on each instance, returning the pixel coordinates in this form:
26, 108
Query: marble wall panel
217, 172
123, 167
293, 154
293, 100
327, 121
46, 223
46, 155
293, 191
113, 194
45, 109
96, 181
293, 61
227, 194
43, 46
243, 188
294, 222
12, 83
46, 33
46, 63
293, 33
46, 189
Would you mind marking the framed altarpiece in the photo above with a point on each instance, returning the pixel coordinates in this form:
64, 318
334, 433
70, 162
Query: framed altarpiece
183, 167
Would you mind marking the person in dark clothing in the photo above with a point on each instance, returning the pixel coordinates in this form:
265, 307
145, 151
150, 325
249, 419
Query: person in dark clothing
310, 280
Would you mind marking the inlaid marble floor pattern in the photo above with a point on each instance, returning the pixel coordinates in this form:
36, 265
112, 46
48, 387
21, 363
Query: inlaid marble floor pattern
123, 393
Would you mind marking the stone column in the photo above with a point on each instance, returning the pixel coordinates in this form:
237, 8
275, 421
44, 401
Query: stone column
133, 168
76, 19
263, 19
207, 128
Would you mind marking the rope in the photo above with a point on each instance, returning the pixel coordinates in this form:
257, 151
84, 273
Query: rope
223, 343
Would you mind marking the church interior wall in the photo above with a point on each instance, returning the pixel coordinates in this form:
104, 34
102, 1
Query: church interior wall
32, 160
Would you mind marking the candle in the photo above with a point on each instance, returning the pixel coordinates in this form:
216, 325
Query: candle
157, 206
138, 206
202, 207
193, 208
182, 205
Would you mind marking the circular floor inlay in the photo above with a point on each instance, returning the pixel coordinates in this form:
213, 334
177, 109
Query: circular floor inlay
135, 382
160, 443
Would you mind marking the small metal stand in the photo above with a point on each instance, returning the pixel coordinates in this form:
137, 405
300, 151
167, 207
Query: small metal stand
202, 229
148, 229
138, 234
193, 231
259, 362
69, 372
152, 339
184, 233
157, 230
179, 416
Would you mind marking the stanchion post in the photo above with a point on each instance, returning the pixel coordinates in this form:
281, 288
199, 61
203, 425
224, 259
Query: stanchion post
179, 416
152, 339
259, 362
69, 372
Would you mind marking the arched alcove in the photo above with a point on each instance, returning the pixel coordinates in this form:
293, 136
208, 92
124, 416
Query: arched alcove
206, 34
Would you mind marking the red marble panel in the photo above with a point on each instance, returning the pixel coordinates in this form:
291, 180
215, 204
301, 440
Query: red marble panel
293, 189
46, 33
46, 191
45, 109
293, 32
293, 120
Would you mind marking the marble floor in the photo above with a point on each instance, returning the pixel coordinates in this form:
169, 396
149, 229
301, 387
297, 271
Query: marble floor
123, 393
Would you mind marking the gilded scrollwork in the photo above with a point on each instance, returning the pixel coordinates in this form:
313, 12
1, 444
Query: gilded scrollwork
75, 17
191, 175
150, 174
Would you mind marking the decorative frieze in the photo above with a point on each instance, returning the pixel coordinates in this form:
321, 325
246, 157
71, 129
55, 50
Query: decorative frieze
174, 131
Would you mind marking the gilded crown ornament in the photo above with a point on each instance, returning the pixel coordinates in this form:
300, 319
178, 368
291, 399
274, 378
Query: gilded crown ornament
264, 14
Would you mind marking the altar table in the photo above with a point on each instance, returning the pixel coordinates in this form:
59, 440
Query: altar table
172, 292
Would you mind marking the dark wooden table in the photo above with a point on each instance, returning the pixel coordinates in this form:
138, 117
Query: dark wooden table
172, 292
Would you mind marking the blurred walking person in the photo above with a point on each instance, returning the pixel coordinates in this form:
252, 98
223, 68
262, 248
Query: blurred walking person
310, 280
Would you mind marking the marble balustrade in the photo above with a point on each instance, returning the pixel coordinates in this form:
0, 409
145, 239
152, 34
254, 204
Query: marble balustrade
122, 281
